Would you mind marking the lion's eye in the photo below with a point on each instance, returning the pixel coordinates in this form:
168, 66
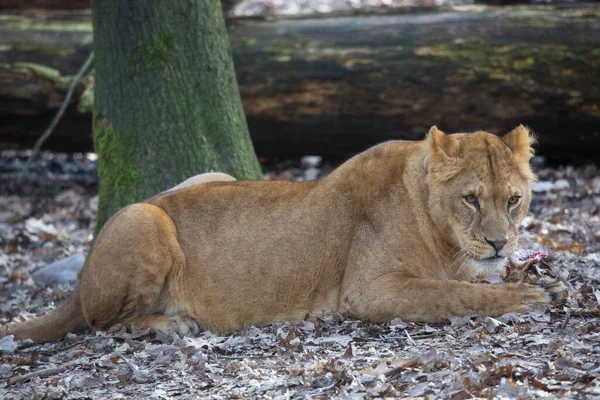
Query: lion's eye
471, 199
513, 200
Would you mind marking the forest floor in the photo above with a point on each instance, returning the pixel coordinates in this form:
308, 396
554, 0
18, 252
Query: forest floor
551, 353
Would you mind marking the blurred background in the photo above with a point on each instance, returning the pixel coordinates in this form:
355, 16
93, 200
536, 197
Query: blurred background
331, 78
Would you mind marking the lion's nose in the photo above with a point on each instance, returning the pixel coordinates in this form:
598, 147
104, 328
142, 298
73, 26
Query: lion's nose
497, 244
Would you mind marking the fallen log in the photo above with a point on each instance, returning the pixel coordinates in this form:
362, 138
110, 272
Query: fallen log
46, 4
74, 4
333, 86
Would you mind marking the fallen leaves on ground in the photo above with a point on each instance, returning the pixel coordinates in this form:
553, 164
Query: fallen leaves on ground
548, 353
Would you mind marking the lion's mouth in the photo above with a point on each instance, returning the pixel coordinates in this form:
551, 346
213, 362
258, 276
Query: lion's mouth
493, 258
490, 264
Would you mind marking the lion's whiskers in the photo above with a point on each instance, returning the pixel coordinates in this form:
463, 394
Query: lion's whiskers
465, 263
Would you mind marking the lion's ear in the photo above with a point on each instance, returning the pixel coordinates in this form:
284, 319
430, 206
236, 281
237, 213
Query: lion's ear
443, 163
520, 141
441, 146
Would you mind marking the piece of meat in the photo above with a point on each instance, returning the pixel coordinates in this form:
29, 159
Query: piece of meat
535, 270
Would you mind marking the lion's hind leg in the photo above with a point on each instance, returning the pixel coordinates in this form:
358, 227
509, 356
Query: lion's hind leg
132, 270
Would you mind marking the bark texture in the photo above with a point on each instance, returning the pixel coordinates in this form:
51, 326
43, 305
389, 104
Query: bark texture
166, 100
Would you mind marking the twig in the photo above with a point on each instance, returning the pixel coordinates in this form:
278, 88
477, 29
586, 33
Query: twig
58, 116
410, 340
408, 337
134, 368
242, 357
579, 312
56, 349
41, 372
324, 389
567, 318
400, 368
510, 355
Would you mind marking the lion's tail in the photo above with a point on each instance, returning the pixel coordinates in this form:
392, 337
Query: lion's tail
68, 317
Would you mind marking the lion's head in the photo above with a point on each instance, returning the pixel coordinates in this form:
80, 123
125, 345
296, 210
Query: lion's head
479, 192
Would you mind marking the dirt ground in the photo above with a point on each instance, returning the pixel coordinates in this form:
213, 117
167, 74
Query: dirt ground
551, 353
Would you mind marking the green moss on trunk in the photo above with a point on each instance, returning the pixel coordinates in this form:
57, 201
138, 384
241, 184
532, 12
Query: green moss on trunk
166, 99
117, 171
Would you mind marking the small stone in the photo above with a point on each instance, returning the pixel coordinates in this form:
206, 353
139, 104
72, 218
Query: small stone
7, 344
60, 271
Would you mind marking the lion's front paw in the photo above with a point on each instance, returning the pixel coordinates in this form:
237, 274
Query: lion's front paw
558, 291
531, 297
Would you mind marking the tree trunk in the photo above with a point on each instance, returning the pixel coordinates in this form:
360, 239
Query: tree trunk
166, 102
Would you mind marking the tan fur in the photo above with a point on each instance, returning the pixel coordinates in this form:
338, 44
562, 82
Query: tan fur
387, 234
203, 178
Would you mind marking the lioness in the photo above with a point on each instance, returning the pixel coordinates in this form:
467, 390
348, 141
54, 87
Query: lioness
397, 231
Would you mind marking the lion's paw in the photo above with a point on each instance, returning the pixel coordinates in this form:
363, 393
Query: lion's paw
532, 297
185, 326
556, 289
558, 292
167, 324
